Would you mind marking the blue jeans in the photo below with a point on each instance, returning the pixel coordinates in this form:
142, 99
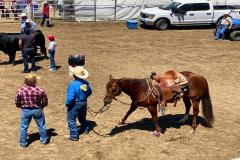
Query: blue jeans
45, 17
52, 60
220, 31
26, 117
28, 52
78, 110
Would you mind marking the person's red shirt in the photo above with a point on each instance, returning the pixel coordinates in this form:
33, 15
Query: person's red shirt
46, 10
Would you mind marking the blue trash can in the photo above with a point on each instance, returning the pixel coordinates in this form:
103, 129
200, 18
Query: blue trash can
132, 24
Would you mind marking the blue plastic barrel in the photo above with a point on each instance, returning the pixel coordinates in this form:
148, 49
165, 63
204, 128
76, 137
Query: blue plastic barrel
132, 24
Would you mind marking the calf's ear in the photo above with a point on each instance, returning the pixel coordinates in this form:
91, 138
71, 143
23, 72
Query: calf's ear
110, 77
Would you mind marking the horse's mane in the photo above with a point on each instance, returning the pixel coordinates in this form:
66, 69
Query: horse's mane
131, 79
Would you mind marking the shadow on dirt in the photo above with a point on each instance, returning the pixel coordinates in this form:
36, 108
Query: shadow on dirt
182, 27
92, 124
37, 58
165, 122
4, 63
35, 136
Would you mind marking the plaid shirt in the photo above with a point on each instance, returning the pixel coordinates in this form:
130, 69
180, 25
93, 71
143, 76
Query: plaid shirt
31, 97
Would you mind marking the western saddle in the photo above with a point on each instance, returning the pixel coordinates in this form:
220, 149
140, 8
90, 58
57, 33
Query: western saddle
169, 87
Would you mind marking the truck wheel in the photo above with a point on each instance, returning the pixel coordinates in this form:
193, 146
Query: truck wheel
144, 26
235, 36
162, 24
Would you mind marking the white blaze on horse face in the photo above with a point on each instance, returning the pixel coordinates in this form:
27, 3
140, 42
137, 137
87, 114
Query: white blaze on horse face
170, 82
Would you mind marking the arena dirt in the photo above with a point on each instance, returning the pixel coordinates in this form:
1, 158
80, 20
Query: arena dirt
111, 48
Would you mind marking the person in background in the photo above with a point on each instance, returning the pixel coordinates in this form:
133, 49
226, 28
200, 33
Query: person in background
26, 44
225, 23
76, 102
21, 4
13, 7
45, 14
23, 23
51, 51
31, 99
2, 8
60, 7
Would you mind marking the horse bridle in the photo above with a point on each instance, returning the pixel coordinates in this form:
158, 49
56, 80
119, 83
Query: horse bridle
117, 92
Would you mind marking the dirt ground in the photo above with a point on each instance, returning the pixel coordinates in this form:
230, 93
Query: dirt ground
111, 48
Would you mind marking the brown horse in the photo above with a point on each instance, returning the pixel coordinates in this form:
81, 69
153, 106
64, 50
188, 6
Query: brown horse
141, 95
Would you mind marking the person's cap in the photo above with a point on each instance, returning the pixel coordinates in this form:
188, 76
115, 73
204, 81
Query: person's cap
45, 2
51, 37
79, 72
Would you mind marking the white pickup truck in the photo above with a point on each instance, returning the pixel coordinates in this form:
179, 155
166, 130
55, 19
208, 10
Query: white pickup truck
186, 13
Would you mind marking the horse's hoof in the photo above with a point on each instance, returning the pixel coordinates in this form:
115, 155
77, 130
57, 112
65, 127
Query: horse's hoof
121, 123
156, 133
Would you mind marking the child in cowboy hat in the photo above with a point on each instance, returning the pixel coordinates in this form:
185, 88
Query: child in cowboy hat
76, 101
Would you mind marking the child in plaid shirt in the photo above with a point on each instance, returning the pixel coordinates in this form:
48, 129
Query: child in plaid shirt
31, 99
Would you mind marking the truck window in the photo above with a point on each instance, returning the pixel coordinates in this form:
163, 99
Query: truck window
201, 6
195, 7
222, 7
187, 7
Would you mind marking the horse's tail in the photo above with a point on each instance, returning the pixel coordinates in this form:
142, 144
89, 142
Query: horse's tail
207, 108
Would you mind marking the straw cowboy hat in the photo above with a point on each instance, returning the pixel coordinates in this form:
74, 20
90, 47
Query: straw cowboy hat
79, 72
31, 79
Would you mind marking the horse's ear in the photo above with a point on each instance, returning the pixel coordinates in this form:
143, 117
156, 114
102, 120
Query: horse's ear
110, 77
